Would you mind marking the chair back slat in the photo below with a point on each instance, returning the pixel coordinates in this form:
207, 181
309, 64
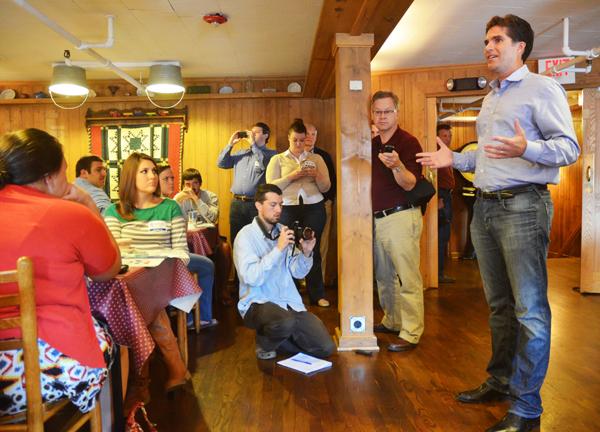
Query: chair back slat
9, 300
11, 344
8, 276
10, 323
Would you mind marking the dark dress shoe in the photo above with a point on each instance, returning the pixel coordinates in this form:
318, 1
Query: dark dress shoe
483, 393
401, 345
513, 423
380, 328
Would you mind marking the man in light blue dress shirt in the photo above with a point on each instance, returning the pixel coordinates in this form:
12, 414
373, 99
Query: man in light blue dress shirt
267, 258
525, 134
249, 168
91, 176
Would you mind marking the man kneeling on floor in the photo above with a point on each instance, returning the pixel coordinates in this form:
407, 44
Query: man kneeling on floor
267, 258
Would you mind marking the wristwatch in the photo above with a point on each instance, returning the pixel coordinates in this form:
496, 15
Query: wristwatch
396, 169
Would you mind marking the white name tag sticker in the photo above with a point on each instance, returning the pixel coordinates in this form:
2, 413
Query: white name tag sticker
158, 226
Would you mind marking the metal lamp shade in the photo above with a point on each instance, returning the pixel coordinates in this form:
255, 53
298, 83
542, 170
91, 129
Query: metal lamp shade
69, 81
165, 79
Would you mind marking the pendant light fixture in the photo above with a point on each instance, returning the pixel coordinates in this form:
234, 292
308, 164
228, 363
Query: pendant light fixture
165, 79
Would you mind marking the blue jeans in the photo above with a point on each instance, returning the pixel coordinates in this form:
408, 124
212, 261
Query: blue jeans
511, 241
241, 213
444, 225
205, 269
313, 216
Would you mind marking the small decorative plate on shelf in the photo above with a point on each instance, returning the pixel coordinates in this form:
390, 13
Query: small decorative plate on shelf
226, 90
294, 87
8, 94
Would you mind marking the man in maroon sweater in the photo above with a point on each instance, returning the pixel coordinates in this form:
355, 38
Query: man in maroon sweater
398, 225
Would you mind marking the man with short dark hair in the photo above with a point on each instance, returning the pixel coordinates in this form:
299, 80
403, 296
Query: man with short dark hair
91, 175
398, 225
525, 133
193, 197
267, 258
445, 186
249, 168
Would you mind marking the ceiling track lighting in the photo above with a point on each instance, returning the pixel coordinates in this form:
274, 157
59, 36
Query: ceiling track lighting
69, 79
165, 79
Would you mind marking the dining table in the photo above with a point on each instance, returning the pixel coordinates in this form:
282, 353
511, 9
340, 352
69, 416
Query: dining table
129, 302
202, 239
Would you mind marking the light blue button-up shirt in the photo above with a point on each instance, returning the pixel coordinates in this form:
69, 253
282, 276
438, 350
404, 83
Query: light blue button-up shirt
249, 167
265, 272
98, 195
540, 104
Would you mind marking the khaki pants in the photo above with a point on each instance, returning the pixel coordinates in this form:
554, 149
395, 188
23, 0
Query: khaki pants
399, 283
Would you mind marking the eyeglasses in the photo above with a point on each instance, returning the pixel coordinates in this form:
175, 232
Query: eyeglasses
383, 113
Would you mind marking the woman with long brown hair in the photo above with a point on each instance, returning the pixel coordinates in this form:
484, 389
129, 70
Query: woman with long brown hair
150, 221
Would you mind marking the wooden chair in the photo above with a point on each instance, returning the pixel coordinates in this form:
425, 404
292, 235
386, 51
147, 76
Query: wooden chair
37, 412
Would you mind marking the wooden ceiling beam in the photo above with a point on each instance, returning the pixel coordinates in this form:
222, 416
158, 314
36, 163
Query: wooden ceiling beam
356, 17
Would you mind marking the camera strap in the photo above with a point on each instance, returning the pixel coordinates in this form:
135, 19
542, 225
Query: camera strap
273, 235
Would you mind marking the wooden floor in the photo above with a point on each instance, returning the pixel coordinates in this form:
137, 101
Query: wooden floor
390, 391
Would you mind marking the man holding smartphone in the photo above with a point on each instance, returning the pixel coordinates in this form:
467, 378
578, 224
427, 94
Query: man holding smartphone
398, 225
249, 167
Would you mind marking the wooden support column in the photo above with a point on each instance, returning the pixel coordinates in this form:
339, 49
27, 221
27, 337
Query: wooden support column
590, 224
355, 232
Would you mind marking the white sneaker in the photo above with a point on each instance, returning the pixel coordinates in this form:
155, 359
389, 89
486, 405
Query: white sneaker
323, 302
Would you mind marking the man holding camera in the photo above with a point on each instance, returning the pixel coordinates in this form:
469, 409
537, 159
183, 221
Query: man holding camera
249, 167
267, 257
398, 225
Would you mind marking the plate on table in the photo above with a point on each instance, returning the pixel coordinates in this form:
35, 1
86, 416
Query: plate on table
294, 87
226, 90
8, 94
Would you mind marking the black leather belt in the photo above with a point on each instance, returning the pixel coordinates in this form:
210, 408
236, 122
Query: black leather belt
243, 197
383, 213
509, 193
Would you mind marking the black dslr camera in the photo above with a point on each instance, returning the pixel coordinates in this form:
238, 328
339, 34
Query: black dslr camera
242, 134
301, 232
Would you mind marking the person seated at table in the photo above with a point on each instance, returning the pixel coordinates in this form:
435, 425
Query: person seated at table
193, 198
45, 217
199, 264
166, 179
91, 175
267, 258
150, 221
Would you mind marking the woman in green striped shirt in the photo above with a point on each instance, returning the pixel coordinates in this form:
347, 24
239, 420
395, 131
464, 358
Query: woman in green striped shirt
150, 221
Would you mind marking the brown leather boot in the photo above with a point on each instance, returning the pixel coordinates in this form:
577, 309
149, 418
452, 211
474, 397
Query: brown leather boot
138, 389
161, 332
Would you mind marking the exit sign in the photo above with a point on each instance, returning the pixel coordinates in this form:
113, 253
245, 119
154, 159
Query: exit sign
562, 76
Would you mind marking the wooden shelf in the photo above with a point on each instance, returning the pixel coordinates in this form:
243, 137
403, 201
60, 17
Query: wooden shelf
108, 99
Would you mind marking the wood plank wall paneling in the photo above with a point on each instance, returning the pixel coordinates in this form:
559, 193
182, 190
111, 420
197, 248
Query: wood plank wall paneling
211, 123
413, 86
